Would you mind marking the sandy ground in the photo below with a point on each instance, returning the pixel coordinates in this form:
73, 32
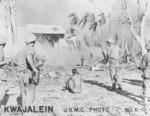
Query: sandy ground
96, 98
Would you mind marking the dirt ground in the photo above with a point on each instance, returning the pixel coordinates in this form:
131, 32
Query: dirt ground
96, 98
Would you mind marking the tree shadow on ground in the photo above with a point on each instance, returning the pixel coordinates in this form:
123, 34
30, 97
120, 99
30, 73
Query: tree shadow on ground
5, 99
122, 92
133, 82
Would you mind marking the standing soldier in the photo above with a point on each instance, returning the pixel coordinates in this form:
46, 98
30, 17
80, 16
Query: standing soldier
28, 72
113, 56
146, 75
3, 63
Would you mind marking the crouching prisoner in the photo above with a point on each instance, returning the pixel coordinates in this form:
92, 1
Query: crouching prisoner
74, 83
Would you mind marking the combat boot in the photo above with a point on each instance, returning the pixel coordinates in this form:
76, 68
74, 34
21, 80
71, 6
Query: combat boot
119, 88
113, 87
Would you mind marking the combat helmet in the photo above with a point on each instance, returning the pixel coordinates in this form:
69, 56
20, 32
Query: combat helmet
31, 38
3, 40
110, 40
148, 45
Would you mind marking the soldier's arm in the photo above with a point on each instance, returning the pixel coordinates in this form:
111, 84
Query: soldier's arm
39, 61
105, 54
5, 62
121, 52
143, 63
31, 63
71, 83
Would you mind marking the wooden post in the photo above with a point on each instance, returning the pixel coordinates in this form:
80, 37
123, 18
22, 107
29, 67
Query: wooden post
82, 60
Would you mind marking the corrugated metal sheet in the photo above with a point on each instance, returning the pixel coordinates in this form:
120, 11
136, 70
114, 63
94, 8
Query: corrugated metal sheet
46, 29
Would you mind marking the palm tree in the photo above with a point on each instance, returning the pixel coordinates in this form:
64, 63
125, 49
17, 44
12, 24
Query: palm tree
8, 24
10, 18
142, 17
74, 19
85, 19
93, 22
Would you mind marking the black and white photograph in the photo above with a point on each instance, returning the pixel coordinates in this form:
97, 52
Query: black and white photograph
74, 57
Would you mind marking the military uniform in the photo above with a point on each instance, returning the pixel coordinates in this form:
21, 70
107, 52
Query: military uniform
27, 76
146, 76
21, 61
113, 56
3, 81
3, 73
74, 83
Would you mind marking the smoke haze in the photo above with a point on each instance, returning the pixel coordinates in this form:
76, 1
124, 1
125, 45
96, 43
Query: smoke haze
55, 11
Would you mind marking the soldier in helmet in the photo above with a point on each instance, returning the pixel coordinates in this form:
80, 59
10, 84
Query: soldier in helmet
28, 71
146, 75
113, 56
3, 73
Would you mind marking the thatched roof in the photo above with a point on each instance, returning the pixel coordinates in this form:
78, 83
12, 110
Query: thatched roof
46, 29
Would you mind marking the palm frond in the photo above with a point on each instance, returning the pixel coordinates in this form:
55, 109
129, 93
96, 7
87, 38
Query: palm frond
101, 19
93, 26
74, 18
88, 17
72, 14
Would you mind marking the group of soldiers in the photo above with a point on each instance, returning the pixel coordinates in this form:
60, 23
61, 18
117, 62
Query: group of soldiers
113, 55
27, 65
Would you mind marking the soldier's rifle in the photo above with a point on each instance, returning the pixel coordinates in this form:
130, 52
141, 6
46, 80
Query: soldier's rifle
39, 64
104, 55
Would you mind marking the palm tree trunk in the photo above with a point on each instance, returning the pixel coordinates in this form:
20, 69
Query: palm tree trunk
3, 26
9, 25
139, 37
10, 17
